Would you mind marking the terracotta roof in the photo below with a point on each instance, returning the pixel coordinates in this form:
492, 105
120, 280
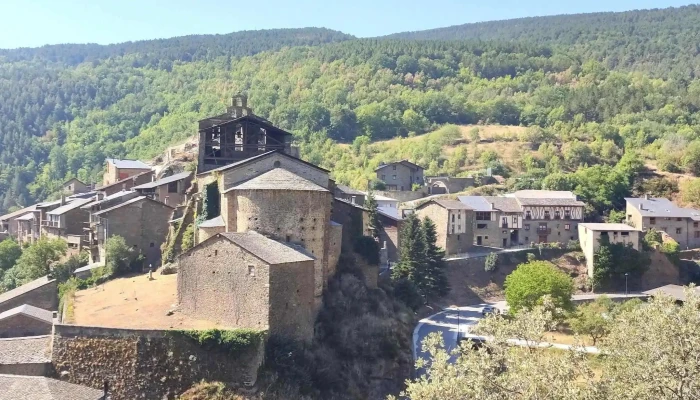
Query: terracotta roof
278, 179
128, 164
30, 311
164, 181
25, 350
18, 387
266, 249
27, 287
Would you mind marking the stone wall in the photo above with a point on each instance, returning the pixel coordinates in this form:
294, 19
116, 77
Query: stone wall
353, 218
21, 325
28, 369
291, 309
144, 364
214, 283
254, 168
43, 296
403, 195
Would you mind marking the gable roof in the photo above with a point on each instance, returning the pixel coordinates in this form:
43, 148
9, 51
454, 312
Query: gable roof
129, 202
268, 250
164, 181
30, 311
608, 227
77, 203
404, 162
18, 213
259, 157
216, 222
225, 119
556, 201
349, 190
348, 202
122, 193
25, 350
128, 164
447, 204
26, 288
661, 207
477, 203
131, 178
278, 179
73, 180
19, 387
27, 217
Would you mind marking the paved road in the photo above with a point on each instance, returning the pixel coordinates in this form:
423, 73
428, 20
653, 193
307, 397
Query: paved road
457, 321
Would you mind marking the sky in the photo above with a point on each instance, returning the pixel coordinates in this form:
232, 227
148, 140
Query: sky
33, 23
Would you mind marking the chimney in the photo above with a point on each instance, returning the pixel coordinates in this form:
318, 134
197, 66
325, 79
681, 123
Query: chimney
493, 206
63, 199
153, 177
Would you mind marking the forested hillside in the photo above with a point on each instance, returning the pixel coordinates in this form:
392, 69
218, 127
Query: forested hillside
63, 112
660, 41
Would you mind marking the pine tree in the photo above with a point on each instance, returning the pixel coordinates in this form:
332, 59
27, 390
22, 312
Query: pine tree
411, 252
375, 225
434, 280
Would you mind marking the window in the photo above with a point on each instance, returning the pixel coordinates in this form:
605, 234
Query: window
679, 219
251, 270
459, 215
695, 224
678, 231
697, 234
383, 177
172, 187
652, 221
567, 214
238, 139
527, 239
546, 214
480, 226
453, 218
453, 228
483, 216
624, 233
457, 237
393, 167
528, 215
289, 238
567, 227
393, 177
527, 227
557, 214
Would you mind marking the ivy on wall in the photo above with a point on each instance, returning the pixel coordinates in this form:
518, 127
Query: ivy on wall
232, 342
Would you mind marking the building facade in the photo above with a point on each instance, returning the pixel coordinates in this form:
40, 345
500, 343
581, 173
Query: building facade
400, 175
118, 170
681, 224
25, 320
170, 190
591, 235
454, 222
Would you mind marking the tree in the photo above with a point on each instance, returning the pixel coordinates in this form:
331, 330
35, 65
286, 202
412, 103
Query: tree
118, 255
412, 253
434, 279
593, 319
10, 252
690, 191
611, 261
474, 134
36, 260
491, 262
375, 224
526, 286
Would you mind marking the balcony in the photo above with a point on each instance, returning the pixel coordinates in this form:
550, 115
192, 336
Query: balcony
51, 224
544, 231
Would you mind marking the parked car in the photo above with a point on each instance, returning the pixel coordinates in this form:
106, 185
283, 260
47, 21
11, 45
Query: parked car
487, 310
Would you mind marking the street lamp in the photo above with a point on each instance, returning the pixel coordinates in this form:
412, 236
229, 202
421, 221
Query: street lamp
626, 275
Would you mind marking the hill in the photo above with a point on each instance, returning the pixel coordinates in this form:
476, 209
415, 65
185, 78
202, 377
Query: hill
656, 41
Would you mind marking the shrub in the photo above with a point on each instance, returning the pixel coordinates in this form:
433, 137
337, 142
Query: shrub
378, 185
118, 256
491, 262
368, 249
229, 341
188, 238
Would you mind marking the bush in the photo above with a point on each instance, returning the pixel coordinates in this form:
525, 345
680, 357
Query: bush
188, 238
229, 341
526, 286
368, 249
378, 185
407, 293
671, 249
491, 262
652, 239
118, 256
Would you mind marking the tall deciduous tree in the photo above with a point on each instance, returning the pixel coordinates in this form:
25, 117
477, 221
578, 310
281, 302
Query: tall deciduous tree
530, 282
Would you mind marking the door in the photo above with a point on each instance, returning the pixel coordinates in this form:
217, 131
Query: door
505, 243
478, 240
542, 239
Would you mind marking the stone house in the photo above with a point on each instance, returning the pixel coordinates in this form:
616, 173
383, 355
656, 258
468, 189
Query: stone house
353, 218
447, 184
119, 170
349, 194
400, 175
67, 222
170, 190
590, 235
25, 320
142, 222
389, 237
498, 221
681, 224
125, 184
41, 293
247, 280
454, 221
75, 186
8, 221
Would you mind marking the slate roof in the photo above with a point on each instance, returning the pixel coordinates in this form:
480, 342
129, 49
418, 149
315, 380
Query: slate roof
447, 204
280, 179
89, 267
608, 227
120, 194
133, 177
128, 202
404, 162
348, 202
661, 207
554, 201
261, 156
349, 190
675, 291
73, 180
27, 287
18, 213
477, 203
18, 387
77, 203
505, 204
30, 311
128, 164
25, 350
164, 181
26, 217
212, 223
266, 249
544, 194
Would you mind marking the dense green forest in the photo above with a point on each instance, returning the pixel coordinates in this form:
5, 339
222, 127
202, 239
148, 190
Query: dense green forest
63, 109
